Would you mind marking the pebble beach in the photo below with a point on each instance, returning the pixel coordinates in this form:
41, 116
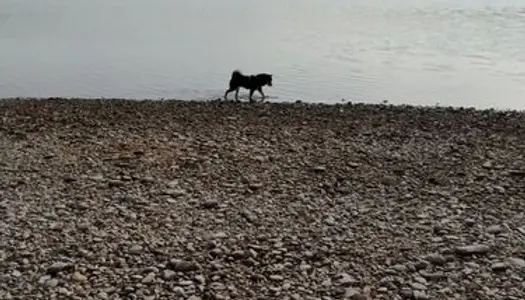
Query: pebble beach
127, 199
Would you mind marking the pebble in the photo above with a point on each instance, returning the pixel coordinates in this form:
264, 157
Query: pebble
183, 265
178, 290
495, 229
350, 292
473, 249
52, 282
175, 192
406, 293
210, 204
516, 262
135, 249
169, 274
417, 286
435, 259
63, 291
319, 169
345, 279
200, 279
500, 266
79, 277
420, 295
58, 267
149, 278
276, 277
330, 221
470, 222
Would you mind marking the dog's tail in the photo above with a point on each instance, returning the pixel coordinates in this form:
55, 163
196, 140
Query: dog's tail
236, 74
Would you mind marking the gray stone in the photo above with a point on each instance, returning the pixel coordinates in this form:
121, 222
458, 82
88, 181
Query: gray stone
473, 249
52, 282
210, 204
420, 295
276, 277
135, 249
169, 274
495, 229
406, 293
149, 278
435, 259
500, 266
516, 262
58, 267
79, 277
344, 279
183, 265
400, 268
418, 286
179, 291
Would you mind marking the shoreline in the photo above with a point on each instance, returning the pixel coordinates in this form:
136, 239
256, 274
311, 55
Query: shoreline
244, 101
131, 199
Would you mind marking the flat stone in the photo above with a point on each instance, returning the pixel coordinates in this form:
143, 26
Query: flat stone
418, 286
330, 221
420, 295
210, 204
179, 291
52, 282
174, 192
406, 293
495, 229
58, 267
276, 277
500, 266
183, 265
135, 249
473, 249
169, 274
399, 268
79, 277
435, 259
344, 279
149, 278
516, 262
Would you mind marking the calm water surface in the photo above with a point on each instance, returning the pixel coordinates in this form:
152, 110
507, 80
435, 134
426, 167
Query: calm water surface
460, 53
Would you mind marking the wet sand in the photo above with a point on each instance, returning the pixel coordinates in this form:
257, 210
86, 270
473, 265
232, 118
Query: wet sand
118, 199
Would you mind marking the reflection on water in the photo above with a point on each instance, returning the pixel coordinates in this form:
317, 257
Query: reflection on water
470, 53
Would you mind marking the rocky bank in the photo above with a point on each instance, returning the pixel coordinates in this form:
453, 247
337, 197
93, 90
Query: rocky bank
119, 199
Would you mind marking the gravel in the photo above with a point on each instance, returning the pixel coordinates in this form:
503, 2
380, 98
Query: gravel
120, 199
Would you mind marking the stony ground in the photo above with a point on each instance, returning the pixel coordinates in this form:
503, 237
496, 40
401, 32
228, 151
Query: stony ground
192, 200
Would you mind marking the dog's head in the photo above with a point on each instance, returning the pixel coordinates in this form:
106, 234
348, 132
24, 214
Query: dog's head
268, 79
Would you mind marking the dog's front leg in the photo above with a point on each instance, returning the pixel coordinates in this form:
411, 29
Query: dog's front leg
251, 95
261, 92
237, 94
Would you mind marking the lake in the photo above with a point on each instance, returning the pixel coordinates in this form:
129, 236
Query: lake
424, 52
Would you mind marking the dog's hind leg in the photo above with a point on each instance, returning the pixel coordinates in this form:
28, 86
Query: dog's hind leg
251, 95
227, 92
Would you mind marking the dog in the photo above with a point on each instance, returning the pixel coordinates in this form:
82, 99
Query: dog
250, 82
